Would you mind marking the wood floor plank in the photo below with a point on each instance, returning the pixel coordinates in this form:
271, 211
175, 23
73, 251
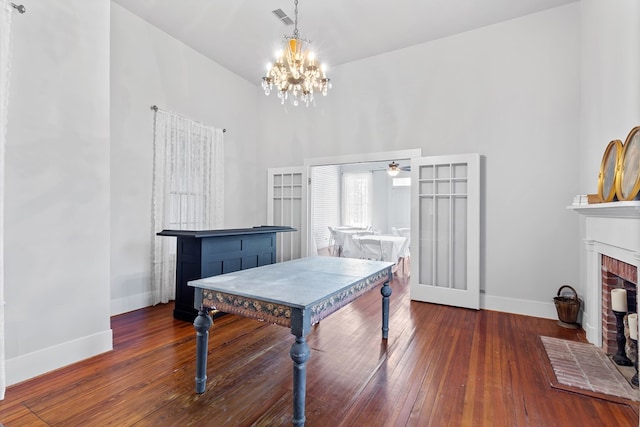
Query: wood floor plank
440, 366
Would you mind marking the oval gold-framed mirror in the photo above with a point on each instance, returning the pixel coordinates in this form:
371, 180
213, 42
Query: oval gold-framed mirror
628, 181
607, 177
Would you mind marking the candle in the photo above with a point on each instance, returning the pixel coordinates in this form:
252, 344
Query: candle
619, 300
633, 326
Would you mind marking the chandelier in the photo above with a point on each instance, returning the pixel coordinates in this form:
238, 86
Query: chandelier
296, 74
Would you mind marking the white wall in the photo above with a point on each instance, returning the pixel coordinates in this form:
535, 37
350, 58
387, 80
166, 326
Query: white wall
610, 89
57, 188
381, 200
149, 67
510, 92
399, 206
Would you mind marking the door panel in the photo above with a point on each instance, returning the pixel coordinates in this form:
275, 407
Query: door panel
445, 224
286, 195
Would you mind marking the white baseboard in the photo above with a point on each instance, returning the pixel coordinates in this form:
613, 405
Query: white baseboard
30, 365
519, 306
131, 303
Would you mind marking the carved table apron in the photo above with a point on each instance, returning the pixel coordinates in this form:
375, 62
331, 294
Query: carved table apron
295, 294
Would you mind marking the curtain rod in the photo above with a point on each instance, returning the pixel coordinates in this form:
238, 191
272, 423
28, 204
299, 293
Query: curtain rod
155, 108
20, 8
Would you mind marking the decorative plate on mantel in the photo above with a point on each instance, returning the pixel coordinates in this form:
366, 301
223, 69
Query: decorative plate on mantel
628, 182
607, 179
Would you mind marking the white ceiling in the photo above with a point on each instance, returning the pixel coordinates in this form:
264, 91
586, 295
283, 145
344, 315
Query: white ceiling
243, 35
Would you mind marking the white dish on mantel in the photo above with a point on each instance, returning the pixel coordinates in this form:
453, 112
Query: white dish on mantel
624, 209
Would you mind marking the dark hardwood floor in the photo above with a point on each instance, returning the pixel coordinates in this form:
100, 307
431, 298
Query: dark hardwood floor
441, 366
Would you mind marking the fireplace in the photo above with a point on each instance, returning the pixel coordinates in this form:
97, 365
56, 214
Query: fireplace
612, 257
616, 274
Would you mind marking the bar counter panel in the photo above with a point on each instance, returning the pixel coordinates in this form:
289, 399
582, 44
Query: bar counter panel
206, 253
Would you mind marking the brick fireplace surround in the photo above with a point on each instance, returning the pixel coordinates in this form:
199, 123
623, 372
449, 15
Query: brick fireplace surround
611, 237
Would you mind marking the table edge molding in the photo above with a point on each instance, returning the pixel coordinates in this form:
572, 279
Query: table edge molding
335, 302
248, 307
281, 314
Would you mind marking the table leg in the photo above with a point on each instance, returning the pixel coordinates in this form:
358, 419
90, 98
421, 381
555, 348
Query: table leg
202, 323
299, 354
386, 293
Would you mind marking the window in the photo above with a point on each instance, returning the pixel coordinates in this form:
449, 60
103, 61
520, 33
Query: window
188, 173
401, 182
356, 199
192, 155
325, 181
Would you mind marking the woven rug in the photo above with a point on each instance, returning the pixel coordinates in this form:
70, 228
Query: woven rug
586, 369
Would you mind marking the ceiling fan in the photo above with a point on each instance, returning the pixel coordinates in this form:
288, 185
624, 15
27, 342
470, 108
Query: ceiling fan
395, 168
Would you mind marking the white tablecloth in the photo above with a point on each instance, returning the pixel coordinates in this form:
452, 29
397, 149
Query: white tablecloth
349, 227
345, 243
392, 246
404, 232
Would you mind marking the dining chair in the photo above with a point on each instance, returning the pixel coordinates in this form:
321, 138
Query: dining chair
405, 252
333, 250
370, 248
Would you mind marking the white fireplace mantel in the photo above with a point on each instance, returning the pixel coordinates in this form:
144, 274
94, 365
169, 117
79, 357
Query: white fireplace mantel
611, 229
610, 210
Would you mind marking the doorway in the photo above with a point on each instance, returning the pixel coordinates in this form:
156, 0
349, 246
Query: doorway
445, 219
359, 196
325, 190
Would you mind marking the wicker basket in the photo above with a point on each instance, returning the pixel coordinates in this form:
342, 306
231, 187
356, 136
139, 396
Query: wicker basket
567, 308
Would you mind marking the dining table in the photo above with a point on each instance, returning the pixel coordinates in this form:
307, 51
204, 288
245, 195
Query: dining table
295, 294
406, 233
344, 242
392, 247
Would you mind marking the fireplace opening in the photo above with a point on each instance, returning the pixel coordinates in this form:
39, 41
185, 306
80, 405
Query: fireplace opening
616, 274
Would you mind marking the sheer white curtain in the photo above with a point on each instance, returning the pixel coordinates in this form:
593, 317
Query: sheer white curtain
188, 186
5, 67
357, 200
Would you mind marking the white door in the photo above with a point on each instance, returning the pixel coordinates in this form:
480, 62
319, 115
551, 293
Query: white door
445, 230
286, 205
